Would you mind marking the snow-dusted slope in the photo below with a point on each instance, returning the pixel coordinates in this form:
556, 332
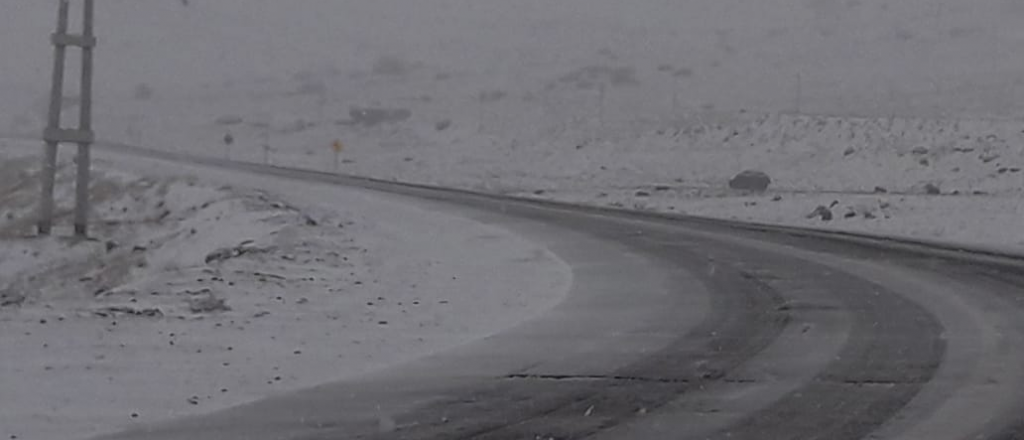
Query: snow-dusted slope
204, 290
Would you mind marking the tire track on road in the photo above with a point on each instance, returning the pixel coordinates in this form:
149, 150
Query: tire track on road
877, 374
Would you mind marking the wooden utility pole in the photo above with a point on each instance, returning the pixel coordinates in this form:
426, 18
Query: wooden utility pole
54, 134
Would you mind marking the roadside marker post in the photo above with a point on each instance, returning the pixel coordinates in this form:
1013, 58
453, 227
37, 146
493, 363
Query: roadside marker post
266, 145
337, 146
54, 134
228, 140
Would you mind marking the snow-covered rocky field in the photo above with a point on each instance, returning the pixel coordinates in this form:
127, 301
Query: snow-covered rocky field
651, 106
948, 180
194, 295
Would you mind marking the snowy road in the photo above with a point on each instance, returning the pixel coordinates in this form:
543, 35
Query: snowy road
691, 329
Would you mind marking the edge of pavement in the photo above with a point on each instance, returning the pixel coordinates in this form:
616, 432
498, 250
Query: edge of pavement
974, 252
914, 245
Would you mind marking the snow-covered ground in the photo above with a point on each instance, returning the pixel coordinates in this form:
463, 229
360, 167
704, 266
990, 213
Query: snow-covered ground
586, 100
953, 181
948, 180
204, 290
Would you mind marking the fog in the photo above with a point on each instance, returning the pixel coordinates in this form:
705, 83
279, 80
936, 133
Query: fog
918, 57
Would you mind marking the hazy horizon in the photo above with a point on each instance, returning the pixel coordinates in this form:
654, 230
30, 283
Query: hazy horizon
851, 56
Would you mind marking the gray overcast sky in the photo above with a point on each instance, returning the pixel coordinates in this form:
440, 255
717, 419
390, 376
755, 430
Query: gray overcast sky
739, 50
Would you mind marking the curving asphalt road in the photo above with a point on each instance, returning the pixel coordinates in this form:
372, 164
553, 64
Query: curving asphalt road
688, 329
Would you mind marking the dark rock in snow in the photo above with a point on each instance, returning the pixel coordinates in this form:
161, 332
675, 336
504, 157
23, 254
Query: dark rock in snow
234, 252
124, 310
932, 189
821, 212
919, 150
207, 303
751, 180
849, 151
988, 157
642, 194
881, 190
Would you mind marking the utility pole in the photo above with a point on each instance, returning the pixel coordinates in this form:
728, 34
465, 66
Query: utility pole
54, 134
85, 124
